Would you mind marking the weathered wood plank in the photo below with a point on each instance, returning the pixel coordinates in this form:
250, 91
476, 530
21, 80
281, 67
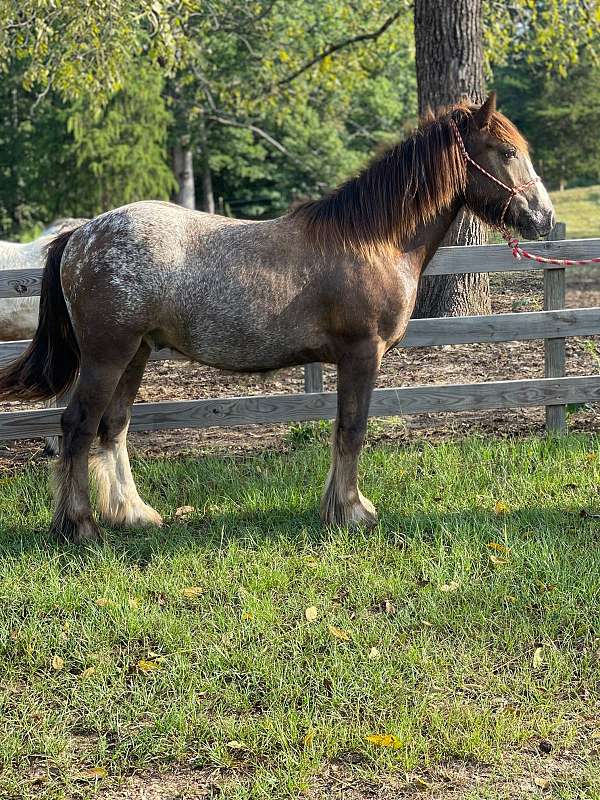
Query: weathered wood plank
447, 261
313, 378
268, 409
448, 330
501, 327
554, 348
498, 257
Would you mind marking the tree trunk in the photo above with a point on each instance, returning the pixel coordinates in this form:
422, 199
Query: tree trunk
208, 197
183, 166
449, 60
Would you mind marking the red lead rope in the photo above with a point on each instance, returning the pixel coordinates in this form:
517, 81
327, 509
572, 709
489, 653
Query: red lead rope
513, 243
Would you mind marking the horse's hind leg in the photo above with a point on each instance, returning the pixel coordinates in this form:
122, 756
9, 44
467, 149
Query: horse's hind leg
97, 381
342, 502
118, 500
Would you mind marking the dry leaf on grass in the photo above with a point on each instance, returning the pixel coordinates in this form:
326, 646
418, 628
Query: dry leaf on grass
497, 561
133, 602
183, 511
449, 587
191, 592
338, 633
499, 548
311, 613
91, 774
384, 740
57, 662
538, 657
309, 737
145, 666
87, 673
102, 602
543, 783
247, 616
374, 654
235, 745
500, 507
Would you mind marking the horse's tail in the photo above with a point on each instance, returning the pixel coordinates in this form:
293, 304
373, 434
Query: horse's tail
49, 365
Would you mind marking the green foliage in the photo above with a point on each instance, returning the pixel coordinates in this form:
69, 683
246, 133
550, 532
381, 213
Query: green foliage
120, 151
60, 159
560, 117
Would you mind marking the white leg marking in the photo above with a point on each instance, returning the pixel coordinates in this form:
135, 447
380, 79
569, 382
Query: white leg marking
118, 499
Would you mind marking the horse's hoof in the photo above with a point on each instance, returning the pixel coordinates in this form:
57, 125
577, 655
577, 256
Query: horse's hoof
358, 513
66, 530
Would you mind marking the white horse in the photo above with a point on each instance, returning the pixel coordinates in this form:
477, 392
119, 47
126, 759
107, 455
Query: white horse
19, 315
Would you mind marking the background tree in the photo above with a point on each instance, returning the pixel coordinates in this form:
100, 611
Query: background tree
450, 67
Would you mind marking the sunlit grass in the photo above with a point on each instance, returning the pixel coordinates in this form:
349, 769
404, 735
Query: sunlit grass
488, 640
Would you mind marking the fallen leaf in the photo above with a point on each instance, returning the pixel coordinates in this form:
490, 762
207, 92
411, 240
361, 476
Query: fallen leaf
421, 784
384, 740
338, 633
543, 783
184, 511
591, 456
538, 657
102, 602
134, 602
235, 745
498, 562
146, 666
449, 587
57, 662
500, 507
247, 616
499, 548
389, 608
91, 774
309, 737
87, 673
374, 654
192, 591
311, 613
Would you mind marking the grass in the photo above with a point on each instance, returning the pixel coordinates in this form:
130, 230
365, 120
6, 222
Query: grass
580, 210
466, 625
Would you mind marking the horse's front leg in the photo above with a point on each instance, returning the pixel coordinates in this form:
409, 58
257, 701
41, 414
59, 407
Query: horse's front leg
342, 503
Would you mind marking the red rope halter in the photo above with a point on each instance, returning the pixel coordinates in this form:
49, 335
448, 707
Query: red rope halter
513, 191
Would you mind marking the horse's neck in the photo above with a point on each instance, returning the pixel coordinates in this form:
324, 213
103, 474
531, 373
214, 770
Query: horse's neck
429, 236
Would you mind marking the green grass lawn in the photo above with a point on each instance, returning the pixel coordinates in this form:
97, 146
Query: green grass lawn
580, 210
466, 626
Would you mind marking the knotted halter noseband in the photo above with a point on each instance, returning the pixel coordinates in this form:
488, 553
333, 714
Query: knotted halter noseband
513, 191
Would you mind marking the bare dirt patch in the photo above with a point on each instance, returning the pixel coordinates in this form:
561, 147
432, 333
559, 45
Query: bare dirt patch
511, 292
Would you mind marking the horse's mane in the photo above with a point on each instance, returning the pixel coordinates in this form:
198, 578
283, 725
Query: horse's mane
407, 185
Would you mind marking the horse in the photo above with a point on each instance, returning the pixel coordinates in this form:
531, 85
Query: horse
334, 280
19, 315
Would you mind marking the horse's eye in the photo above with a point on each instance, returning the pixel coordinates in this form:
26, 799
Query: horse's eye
510, 153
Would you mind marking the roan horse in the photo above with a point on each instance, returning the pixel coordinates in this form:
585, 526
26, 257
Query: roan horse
335, 281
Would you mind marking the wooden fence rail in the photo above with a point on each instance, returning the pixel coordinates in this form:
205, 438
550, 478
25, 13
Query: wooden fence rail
553, 324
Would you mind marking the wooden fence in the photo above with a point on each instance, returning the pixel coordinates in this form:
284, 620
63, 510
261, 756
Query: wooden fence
553, 324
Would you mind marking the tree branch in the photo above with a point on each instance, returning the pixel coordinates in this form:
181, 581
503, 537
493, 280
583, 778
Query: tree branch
363, 37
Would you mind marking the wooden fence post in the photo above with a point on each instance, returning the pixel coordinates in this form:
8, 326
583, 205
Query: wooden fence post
554, 349
313, 378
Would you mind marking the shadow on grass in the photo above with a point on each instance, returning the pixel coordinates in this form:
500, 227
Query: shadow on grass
302, 530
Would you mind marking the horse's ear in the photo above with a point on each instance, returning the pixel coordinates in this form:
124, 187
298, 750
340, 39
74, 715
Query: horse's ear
484, 114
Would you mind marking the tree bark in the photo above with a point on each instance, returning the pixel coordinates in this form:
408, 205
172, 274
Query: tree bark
449, 60
208, 196
183, 166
